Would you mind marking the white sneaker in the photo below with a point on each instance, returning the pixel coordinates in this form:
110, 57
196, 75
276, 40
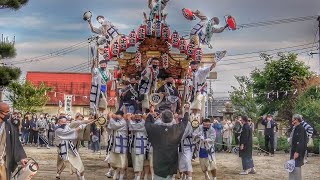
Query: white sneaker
253, 171
244, 172
48, 147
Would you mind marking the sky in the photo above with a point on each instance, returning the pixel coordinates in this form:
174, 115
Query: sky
42, 27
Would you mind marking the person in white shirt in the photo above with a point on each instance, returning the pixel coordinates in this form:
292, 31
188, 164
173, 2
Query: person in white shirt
65, 136
138, 144
107, 30
202, 32
205, 136
199, 85
119, 147
148, 82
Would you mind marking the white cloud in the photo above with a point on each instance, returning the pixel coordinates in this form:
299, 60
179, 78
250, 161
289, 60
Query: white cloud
122, 26
69, 27
22, 22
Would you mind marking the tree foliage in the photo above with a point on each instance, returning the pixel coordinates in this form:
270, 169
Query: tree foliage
273, 86
308, 105
12, 4
8, 74
27, 97
243, 99
7, 50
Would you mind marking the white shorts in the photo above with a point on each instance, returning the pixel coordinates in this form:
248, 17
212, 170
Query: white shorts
185, 161
138, 162
118, 160
206, 165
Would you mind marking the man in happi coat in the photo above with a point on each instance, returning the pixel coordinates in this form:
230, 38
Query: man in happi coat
199, 85
138, 144
129, 96
156, 9
119, 144
205, 136
68, 155
165, 138
106, 30
148, 82
171, 95
98, 93
202, 32
11, 150
186, 149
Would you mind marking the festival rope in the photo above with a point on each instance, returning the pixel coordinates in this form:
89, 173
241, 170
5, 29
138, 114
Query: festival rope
255, 146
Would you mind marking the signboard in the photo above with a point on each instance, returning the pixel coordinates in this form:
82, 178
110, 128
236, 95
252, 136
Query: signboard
67, 103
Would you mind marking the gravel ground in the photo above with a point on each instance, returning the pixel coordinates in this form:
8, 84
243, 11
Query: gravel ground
229, 166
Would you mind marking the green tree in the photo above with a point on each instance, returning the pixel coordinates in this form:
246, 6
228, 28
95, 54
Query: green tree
7, 50
274, 83
12, 4
27, 97
7, 74
243, 99
308, 105
270, 90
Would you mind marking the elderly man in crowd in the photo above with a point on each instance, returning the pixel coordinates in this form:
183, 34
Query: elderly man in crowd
298, 142
11, 150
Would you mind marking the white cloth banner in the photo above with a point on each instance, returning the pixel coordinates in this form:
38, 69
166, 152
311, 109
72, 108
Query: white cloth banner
67, 104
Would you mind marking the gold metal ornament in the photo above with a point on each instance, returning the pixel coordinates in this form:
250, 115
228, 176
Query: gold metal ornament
195, 123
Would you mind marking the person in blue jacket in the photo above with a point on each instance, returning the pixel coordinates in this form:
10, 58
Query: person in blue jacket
218, 128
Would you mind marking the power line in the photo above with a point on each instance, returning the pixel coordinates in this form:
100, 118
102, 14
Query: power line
272, 22
61, 53
74, 66
248, 57
82, 67
276, 49
253, 66
279, 21
55, 52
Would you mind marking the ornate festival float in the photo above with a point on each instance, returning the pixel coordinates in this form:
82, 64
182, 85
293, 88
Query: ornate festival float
160, 56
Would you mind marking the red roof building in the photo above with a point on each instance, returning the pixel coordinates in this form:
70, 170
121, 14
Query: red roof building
76, 84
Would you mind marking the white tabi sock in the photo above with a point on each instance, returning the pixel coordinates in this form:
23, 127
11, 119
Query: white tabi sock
189, 178
111, 170
121, 177
207, 176
138, 178
152, 178
115, 175
146, 177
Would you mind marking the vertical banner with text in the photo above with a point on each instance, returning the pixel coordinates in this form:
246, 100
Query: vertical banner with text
67, 104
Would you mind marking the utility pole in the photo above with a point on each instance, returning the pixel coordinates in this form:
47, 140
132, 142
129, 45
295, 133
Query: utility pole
312, 53
319, 43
